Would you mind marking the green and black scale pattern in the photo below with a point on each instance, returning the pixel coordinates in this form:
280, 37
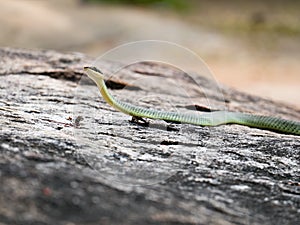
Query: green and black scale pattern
203, 119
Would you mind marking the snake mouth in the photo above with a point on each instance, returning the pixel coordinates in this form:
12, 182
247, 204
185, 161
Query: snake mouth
93, 68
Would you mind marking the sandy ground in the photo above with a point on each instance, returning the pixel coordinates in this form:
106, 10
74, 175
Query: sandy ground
263, 66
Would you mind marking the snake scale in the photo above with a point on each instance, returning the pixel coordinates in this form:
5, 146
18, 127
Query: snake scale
204, 119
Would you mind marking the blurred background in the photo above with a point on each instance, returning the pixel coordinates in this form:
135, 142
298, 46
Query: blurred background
250, 45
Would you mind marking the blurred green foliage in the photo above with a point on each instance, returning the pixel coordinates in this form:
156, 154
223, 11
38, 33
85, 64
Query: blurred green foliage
177, 5
260, 23
235, 16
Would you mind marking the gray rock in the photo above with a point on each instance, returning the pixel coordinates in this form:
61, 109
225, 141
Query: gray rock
69, 158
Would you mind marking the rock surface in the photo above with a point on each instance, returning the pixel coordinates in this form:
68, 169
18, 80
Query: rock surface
69, 158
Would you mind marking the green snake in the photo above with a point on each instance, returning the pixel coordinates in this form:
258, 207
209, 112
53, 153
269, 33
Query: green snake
214, 118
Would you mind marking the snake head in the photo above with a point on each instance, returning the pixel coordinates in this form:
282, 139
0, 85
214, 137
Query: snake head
94, 73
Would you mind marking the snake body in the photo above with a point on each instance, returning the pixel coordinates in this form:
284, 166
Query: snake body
204, 119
